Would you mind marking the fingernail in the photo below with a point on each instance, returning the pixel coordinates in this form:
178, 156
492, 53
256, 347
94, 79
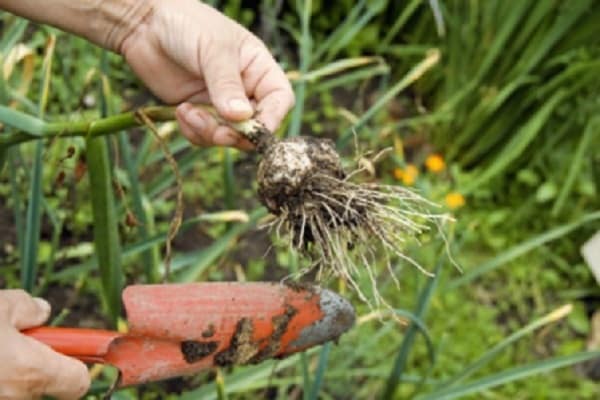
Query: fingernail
240, 106
196, 121
43, 305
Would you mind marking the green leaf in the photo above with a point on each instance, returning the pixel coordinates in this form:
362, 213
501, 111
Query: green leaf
518, 143
32, 222
320, 373
522, 249
403, 352
412, 76
106, 232
546, 192
3, 158
592, 128
511, 375
191, 265
489, 355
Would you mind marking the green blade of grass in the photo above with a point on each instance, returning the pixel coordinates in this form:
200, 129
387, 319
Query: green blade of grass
517, 143
306, 45
438, 17
413, 75
407, 12
349, 32
137, 197
592, 128
522, 249
320, 372
512, 375
395, 376
14, 32
360, 75
189, 267
244, 379
335, 36
21, 121
306, 383
106, 232
33, 220
3, 158
510, 25
107, 241
138, 248
494, 351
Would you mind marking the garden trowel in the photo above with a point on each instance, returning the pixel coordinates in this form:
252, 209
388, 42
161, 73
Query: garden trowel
178, 329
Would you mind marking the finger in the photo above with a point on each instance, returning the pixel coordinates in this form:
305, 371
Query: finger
21, 310
225, 136
267, 83
273, 108
51, 373
221, 68
201, 97
196, 124
201, 128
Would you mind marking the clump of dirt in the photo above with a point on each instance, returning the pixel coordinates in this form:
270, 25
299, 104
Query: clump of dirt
193, 350
209, 331
242, 348
287, 170
300, 287
273, 345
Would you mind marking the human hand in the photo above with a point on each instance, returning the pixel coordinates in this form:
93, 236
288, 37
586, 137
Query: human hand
187, 52
30, 369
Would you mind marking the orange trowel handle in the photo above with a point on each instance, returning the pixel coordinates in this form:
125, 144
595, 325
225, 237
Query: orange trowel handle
89, 345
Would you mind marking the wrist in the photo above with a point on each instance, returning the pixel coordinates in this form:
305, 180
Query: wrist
116, 20
104, 22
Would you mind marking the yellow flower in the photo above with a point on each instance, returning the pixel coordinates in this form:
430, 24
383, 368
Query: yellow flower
408, 175
455, 200
435, 163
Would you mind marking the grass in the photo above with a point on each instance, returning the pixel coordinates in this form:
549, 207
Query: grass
508, 97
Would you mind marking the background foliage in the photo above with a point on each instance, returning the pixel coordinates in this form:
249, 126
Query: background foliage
511, 107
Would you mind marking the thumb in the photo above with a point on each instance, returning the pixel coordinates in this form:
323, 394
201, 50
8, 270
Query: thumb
221, 70
21, 310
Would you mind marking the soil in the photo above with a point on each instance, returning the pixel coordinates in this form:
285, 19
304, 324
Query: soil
194, 350
209, 332
273, 346
285, 172
242, 348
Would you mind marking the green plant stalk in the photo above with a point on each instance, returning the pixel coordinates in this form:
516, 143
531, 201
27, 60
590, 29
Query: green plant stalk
31, 128
305, 61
